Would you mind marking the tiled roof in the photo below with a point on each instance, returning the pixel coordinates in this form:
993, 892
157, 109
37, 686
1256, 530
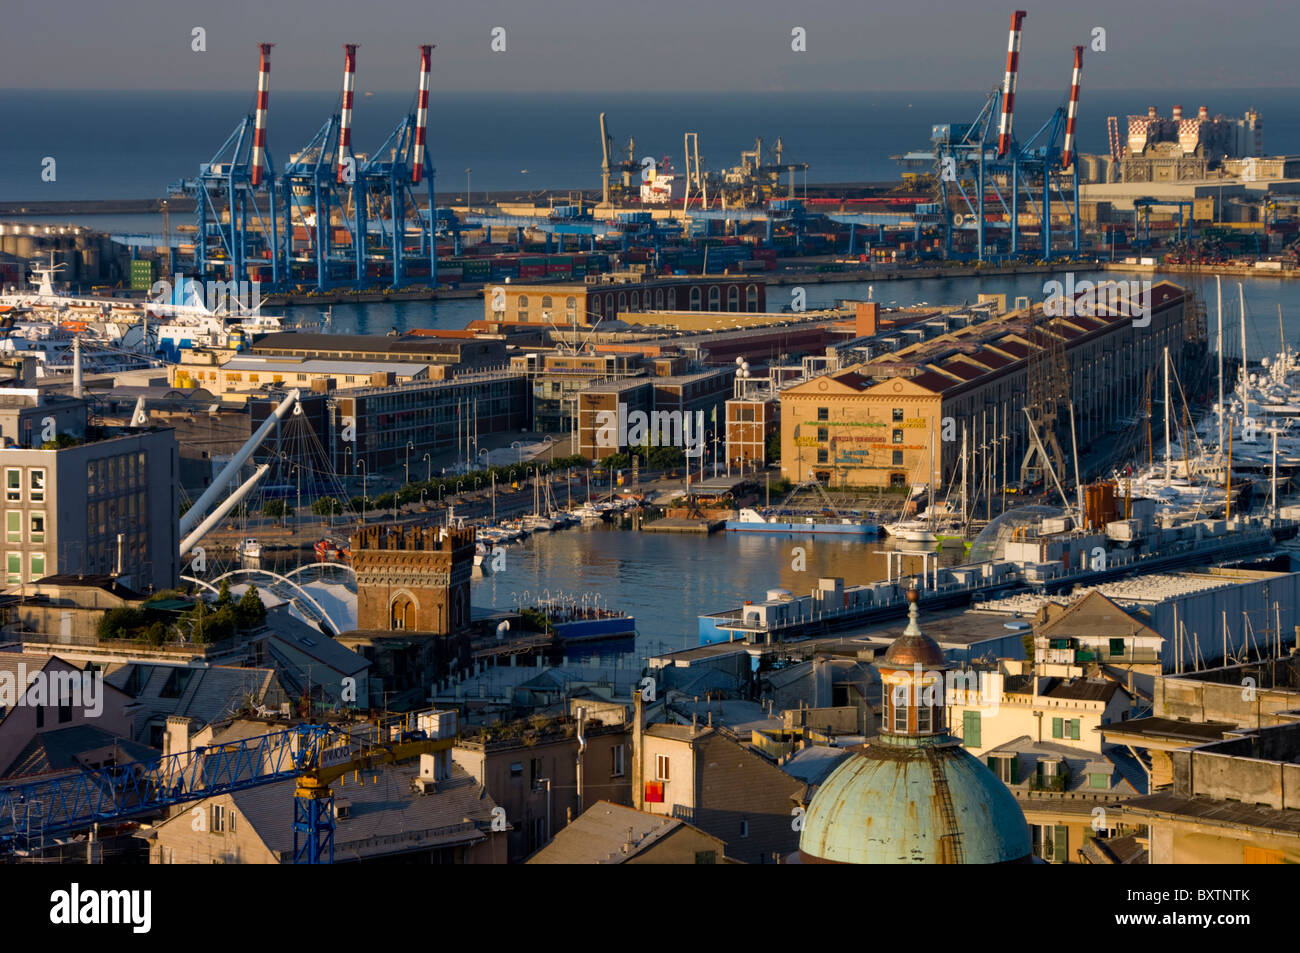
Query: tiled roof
601, 833
386, 814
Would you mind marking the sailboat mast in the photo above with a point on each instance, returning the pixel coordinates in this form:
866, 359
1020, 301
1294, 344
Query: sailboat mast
1168, 457
1218, 282
1245, 396
963, 475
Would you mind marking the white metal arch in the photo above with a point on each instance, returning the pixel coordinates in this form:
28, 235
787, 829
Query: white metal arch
322, 568
277, 579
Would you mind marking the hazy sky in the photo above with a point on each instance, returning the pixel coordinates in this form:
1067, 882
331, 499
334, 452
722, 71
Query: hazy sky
644, 47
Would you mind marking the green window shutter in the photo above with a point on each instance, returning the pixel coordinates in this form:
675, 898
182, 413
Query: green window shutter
971, 728
1116, 646
1056, 728
1060, 844
1015, 769
1074, 729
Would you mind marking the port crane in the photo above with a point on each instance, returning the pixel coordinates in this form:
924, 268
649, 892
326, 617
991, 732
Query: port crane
987, 179
626, 169
239, 184
320, 185
314, 755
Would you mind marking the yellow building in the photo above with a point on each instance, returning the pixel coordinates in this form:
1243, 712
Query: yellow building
845, 431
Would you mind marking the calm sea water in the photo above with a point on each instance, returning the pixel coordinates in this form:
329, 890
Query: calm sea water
1263, 298
132, 145
667, 580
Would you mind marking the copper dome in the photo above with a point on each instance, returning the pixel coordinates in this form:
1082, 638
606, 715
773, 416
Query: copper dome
908, 650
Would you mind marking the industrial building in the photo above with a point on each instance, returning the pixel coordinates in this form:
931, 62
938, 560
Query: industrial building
898, 419
586, 303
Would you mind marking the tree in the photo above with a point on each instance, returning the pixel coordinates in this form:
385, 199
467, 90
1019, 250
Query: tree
224, 598
774, 446
277, 508
251, 611
327, 506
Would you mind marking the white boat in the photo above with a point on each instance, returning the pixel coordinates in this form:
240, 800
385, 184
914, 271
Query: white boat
250, 549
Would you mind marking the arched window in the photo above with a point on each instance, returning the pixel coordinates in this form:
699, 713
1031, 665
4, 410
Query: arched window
546, 302
571, 308
733, 298
672, 299
695, 297
715, 298
636, 301
659, 299
522, 308
751, 298
622, 301
402, 612
609, 306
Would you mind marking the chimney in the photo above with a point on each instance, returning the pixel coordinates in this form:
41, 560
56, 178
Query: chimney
1151, 112
1178, 113
638, 747
868, 317
1203, 113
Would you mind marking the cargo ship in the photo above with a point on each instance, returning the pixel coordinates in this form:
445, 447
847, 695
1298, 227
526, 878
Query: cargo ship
752, 521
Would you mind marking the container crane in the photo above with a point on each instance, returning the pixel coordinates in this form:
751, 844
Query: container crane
237, 184
320, 185
316, 755
983, 183
389, 181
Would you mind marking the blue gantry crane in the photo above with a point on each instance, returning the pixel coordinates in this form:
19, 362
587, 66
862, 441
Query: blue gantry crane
986, 182
388, 181
235, 196
316, 755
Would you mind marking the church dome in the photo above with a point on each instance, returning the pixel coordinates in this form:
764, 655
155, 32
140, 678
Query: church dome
917, 803
913, 795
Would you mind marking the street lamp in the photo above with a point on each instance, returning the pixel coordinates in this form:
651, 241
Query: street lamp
516, 445
365, 473
297, 471
410, 445
488, 454
467, 172
550, 442
428, 469
440, 489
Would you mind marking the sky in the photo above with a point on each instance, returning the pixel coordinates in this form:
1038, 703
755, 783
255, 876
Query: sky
644, 47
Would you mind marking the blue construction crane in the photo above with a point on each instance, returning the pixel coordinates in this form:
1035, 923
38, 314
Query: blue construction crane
314, 754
